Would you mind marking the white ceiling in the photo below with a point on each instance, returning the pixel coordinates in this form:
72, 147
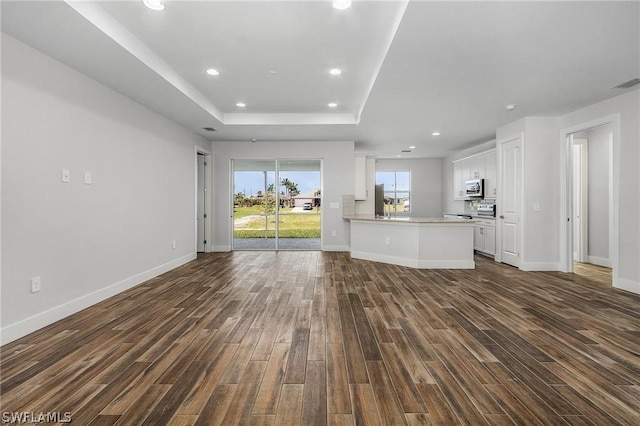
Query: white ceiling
408, 68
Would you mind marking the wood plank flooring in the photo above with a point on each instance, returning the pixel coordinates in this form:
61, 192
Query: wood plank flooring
313, 338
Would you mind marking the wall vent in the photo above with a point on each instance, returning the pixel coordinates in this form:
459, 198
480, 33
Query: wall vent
209, 129
628, 84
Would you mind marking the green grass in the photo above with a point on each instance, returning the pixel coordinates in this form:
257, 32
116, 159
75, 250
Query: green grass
292, 225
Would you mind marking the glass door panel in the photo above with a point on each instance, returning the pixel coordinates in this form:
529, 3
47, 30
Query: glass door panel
299, 213
254, 200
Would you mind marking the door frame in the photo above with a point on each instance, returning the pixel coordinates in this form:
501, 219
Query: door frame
208, 180
566, 193
581, 252
520, 201
277, 162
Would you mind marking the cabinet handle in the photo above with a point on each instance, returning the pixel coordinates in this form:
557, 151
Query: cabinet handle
501, 217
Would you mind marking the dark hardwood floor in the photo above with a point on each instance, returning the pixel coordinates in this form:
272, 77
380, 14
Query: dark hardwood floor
312, 338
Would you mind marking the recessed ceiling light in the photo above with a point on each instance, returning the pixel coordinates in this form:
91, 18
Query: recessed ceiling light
332, 105
398, 155
273, 70
241, 105
412, 147
510, 107
335, 71
154, 4
435, 134
341, 4
213, 71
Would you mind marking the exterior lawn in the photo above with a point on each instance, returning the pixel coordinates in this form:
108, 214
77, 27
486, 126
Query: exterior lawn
249, 222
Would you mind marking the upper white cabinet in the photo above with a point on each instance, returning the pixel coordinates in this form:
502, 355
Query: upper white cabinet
490, 175
361, 178
479, 166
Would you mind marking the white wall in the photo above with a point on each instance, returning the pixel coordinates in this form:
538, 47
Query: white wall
541, 167
426, 183
86, 242
337, 180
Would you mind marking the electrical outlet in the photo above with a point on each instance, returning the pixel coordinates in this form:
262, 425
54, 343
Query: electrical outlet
387, 241
334, 233
66, 176
36, 285
173, 244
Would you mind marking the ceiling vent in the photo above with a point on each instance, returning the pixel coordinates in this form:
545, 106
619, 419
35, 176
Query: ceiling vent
628, 84
209, 129
406, 150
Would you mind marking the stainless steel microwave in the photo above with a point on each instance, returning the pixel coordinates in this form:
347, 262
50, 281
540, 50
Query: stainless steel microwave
473, 188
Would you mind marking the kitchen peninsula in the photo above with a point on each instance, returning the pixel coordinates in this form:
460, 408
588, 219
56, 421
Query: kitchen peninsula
426, 243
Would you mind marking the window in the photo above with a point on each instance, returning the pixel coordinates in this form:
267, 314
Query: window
397, 191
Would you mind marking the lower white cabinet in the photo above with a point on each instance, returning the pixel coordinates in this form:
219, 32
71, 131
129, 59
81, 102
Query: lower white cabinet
484, 236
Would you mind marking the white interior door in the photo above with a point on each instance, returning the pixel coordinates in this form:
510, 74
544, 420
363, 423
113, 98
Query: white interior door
200, 193
511, 201
580, 164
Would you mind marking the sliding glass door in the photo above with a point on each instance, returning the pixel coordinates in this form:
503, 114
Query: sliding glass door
277, 204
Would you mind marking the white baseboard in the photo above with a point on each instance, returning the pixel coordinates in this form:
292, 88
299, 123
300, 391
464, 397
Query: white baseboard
600, 261
415, 263
628, 285
29, 325
540, 266
327, 247
221, 248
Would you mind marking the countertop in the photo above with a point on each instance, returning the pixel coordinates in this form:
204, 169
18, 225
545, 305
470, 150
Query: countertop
408, 219
473, 215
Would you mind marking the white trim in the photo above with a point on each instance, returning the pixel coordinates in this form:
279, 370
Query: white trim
539, 266
222, 248
628, 285
600, 261
328, 247
43, 319
414, 263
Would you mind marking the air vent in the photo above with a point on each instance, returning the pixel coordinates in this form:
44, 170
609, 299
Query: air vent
406, 150
209, 129
628, 84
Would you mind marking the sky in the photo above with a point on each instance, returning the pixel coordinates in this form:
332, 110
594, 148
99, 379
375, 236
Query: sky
394, 181
250, 183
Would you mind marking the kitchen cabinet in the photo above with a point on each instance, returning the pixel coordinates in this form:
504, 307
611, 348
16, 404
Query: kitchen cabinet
479, 166
484, 236
490, 175
360, 178
458, 181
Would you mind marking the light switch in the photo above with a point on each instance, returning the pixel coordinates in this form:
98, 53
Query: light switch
536, 207
66, 176
87, 178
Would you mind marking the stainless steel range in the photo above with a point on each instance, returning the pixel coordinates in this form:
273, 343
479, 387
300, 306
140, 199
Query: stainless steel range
487, 208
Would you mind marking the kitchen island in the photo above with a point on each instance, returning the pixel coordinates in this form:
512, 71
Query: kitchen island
426, 243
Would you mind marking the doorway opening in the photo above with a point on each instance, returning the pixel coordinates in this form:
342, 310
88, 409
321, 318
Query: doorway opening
203, 201
277, 205
590, 240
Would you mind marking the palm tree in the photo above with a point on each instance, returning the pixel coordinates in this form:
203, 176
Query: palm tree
287, 184
293, 189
